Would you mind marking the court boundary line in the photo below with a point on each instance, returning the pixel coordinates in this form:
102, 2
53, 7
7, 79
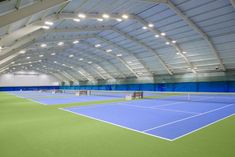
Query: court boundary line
209, 124
201, 114
155, 108
116, 125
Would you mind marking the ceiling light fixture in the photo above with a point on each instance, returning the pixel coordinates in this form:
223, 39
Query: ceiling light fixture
151, 25
45, 27
125, 16
99, 19
22, 52
173, 41
49, 23
75, 42
81, 59
43, 45
144, 27
163, 34
109, 50
167, 43
53, 54
81, 15
106, 16
157, 36
119, 20
119, 55
41, 55
60, 43
76, 20
70, 56
97, 45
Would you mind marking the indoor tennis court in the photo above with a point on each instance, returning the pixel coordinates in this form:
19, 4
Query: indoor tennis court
117, 78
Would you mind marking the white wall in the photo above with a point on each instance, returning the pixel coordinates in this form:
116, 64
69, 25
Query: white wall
27, 79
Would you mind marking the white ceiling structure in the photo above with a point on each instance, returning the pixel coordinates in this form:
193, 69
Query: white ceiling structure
78, 40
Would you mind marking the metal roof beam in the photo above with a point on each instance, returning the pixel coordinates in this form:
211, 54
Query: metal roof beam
176, 46
123, 34
146, 47
125, 51
28, 11
197, 29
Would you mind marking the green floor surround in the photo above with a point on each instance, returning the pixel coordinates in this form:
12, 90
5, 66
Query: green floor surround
28, 129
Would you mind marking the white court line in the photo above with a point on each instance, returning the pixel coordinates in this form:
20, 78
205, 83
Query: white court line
188, 118
170, 104
115, 124
155, 108
202, 127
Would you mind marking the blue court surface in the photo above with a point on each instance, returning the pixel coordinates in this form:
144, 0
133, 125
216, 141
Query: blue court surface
164, 119
47, 98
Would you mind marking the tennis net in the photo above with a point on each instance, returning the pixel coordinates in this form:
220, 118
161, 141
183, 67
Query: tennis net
227, 98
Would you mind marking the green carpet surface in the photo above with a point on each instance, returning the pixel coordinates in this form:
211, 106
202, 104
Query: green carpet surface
28, 129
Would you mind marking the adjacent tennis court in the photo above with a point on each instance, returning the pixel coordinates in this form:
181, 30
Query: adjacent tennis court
51, 98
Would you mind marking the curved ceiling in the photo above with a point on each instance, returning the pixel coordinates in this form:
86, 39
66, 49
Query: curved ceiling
108, 39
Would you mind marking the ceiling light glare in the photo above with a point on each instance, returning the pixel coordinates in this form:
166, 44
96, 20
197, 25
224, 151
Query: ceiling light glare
106, 16
30, 62
71, 67
163, 34
151, 25
63, 64
12, 62
189, 68
41, 55
167, 43
43, 45
76, 20
22, 52
81, 15
178, 53
125, 16
109, 50
39, 60
81, 59
119, 20
100, 20
119, 55
89, 62
53, 54
70, 56
157, 36
27, 57
97, 45
55, 62
144, 27
173, 41
184, 52
195, 68
60, 43
45, 27
49, 23
76, 41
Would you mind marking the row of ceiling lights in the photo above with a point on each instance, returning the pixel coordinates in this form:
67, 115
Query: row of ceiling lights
107, 16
